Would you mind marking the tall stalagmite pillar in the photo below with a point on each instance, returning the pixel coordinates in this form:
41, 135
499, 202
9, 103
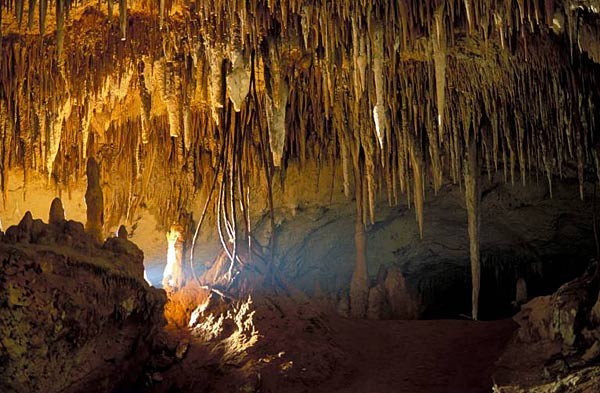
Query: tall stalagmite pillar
473, 199
94, 200
359, 286
173, 274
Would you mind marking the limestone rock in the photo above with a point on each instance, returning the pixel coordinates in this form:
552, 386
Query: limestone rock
595, 313
378, 308
173, 274
122, 232
534, 320
401, 299
77, 317
521, 291
57, 212
94, 200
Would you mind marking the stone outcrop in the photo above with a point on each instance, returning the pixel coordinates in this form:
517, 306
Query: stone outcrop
557, 346
75, 316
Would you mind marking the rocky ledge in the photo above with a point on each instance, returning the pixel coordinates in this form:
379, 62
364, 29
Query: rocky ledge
557, 347
75, 315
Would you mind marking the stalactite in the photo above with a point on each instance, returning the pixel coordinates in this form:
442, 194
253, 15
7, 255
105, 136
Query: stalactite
360, 59
161, 13
215, 60
473, 198
122, 18
238, 80
5, 151
109, 10
379, 112
469, 13
19, 6
146, 100
439, 59
171, 95
276, 108
60, 29
321, 69
43, 7
30, 14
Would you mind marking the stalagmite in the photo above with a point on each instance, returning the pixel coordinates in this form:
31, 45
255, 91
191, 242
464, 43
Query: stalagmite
416, 163
173, 273
473, 198
521, 291
122, 232
94, 201
57, 212
359, 286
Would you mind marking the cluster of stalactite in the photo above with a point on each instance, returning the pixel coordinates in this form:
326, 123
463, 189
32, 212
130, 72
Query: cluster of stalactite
380, 84
219, 94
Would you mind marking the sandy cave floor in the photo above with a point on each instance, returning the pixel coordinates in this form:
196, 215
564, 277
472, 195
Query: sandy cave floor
342, 355
420, 356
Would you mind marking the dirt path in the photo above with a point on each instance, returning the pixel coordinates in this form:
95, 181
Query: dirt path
443, 356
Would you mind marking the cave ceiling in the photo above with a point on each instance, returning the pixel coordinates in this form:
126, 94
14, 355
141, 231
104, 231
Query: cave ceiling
174, 97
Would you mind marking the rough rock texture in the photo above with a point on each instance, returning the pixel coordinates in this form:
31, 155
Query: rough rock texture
583, 381
557, 347
75, 316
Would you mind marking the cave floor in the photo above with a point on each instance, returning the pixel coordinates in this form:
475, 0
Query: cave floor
419, 356
333, 354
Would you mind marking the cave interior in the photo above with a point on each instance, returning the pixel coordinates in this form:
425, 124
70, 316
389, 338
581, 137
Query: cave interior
299, 195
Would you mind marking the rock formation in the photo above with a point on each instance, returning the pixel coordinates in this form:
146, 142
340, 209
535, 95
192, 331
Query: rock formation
94, 200
301, 146
75, 316
173, 274
557, 344
57, 212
